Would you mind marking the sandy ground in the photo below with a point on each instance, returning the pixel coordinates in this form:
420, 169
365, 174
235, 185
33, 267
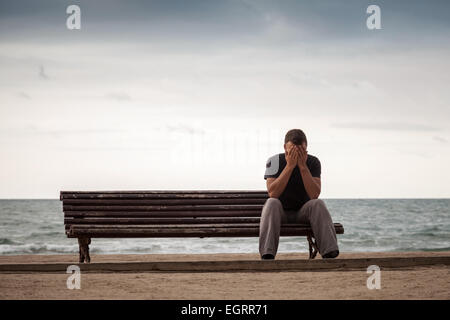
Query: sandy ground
431, 282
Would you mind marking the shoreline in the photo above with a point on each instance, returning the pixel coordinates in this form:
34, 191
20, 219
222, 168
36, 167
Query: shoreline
407, 282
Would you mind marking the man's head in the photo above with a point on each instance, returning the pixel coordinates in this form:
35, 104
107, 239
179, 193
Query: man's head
295, 137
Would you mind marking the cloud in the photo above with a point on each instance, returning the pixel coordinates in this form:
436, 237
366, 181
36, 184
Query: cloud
308, 79
33, 130
440, 139
394, 126
42, 73
118, 96
183, 128
23, 95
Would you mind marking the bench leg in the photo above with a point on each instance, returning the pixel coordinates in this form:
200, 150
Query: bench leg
312, 247
84, 243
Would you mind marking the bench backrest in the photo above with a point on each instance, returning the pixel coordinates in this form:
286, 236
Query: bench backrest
141, 207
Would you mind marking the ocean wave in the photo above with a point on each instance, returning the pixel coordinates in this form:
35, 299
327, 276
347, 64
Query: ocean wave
423, 249
45, 233
7, 241
32, 248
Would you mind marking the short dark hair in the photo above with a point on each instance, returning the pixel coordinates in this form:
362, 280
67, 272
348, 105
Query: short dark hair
296, 136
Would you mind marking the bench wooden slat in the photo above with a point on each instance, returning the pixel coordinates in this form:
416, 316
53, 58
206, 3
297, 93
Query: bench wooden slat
165, 214
210, 229
161, 208
161, 202
174, 221
175, 232
68, 196
186, 220
165, 192
338, 226
161, 193
182, 226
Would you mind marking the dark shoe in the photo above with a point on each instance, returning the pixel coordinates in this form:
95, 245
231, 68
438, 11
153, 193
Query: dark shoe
331, 255
267, 257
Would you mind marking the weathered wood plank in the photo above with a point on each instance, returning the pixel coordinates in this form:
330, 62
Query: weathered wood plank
158, 193
262, 195
165, 214
167, 191
161, 208
338, 226
175, 232
182, 226
161, 202
179, 220
184, 231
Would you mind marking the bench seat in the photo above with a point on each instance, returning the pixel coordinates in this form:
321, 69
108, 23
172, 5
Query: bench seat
182, 230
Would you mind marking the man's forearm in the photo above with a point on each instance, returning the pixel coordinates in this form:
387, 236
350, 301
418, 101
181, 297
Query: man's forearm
277, 187
312, 187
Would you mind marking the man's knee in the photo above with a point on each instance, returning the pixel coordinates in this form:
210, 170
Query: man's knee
317, 202
273, 203
272, 207
318, 206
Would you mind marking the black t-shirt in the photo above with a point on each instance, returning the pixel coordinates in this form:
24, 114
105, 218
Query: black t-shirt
295, 195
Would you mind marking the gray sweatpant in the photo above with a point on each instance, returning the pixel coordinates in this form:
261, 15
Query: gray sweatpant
313, 212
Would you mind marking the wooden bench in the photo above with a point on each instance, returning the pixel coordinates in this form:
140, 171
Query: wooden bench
162, 214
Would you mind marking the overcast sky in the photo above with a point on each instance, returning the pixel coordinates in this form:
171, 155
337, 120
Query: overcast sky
198, 94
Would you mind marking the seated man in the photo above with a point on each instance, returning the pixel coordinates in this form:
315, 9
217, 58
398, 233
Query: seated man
293, 184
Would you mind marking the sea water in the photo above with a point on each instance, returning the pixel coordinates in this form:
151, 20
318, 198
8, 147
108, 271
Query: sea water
37, 227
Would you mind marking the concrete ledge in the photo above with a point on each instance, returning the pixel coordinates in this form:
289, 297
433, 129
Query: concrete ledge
233, 265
